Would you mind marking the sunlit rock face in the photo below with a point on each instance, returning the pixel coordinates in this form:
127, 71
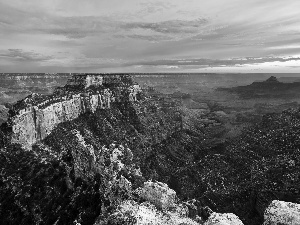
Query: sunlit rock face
36, 122
3, 114
131, 212
134, 90
158, 194
282, 213
223, 219
85, 80
159, 208
83, 155
93, 80
37, 116
23, 127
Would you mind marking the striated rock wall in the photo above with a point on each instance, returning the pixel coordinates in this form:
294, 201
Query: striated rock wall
87, 80
34, 123
37, 116
23, 127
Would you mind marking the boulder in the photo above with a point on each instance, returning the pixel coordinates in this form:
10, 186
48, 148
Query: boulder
223, 219
283, 213
158, 194
131, 212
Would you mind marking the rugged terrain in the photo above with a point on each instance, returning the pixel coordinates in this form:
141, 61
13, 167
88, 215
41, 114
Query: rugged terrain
69, 175
93, 167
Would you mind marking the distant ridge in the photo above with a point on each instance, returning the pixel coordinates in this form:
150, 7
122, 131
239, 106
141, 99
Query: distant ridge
289, 79
272, 79
269, 88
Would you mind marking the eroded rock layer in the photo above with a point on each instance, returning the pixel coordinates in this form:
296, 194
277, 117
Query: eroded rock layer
33, 118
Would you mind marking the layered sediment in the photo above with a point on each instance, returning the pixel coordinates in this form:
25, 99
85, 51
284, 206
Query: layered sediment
33, 118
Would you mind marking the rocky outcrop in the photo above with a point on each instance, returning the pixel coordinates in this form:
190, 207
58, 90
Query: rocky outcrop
223, 219
282, 213
160, 207
131, 212
34, 123
134, 90
272, 79
158, 194
36, 116
85, 80
3, 113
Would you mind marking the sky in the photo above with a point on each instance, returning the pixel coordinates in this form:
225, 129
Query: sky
224, 36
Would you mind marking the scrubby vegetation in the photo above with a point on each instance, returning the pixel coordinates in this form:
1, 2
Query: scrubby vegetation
71, 176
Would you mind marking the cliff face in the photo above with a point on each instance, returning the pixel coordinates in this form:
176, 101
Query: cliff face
37, 119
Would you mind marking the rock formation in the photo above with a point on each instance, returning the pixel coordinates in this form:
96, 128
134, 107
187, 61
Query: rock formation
75, 171
272, 79
223, 219
282, 213
131, 212
270, 88
36, 116
158, 194
161, 207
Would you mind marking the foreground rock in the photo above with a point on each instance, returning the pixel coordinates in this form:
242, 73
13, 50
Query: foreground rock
131, 212
282, 213
158, 204
223, 219
155, 204
158, 194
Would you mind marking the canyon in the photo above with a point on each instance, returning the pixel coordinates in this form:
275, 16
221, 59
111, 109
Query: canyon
103, 150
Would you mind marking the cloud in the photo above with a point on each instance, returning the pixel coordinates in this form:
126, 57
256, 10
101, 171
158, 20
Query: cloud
170, 26
80, 27
154, 7
150, 38
169, 30
114, 33
21, 55
216, 62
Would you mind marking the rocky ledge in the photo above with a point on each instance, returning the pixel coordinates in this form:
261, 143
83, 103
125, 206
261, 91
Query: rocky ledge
155, 203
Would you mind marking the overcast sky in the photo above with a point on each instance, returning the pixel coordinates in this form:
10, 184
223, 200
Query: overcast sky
150, 36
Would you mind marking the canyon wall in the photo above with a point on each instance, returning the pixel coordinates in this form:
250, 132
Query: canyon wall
36, 121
